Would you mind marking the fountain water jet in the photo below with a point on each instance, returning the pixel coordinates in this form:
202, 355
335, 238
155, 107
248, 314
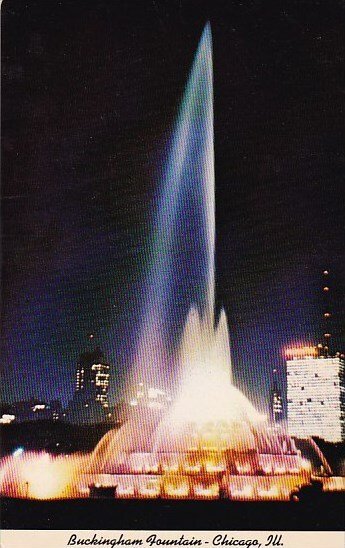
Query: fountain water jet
205, 392
182, 250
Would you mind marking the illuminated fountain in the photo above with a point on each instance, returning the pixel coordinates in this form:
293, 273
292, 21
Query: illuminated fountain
209, 442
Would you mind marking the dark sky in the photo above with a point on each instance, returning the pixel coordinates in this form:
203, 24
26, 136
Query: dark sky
90, 93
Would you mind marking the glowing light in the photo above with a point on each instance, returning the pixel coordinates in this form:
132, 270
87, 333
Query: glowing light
193, 468
124, 491
207, 394
170, 468
326, 288
177, 491
272, 492
151, 468
38, 475
214, 467
46, 478
280, 470
7, 419
267, 469
138, 468
38, 407
301, 352
305, 464
207, 491
246, 492
335, 483
243, 468
149, 492
18, 452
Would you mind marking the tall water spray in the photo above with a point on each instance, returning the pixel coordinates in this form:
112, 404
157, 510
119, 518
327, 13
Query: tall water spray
181, 272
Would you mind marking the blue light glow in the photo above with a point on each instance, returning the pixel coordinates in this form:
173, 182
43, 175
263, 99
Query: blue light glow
18, 452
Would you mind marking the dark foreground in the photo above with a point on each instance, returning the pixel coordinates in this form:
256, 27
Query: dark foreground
324, 513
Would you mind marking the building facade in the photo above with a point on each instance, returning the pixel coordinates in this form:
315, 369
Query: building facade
32, 410
276, 401
315, 395
92, 377
150, 397
90, 404
276, 405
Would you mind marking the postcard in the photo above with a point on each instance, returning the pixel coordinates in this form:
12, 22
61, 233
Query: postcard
172, 274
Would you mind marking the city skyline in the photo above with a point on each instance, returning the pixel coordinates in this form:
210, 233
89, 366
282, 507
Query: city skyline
74, 262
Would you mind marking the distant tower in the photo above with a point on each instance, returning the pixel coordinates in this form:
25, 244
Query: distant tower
92, 377
324, 348
276, 400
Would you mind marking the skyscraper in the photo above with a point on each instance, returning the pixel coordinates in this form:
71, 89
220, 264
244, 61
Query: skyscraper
276, 408
92, 377
315, 394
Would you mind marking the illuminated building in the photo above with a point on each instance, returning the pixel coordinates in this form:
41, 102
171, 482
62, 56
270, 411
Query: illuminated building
276, 407
32, 410
7, 418
90, 401
92, 377
153, 398
315, 394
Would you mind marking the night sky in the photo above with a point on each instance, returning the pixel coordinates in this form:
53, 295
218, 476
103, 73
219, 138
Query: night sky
90, 94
